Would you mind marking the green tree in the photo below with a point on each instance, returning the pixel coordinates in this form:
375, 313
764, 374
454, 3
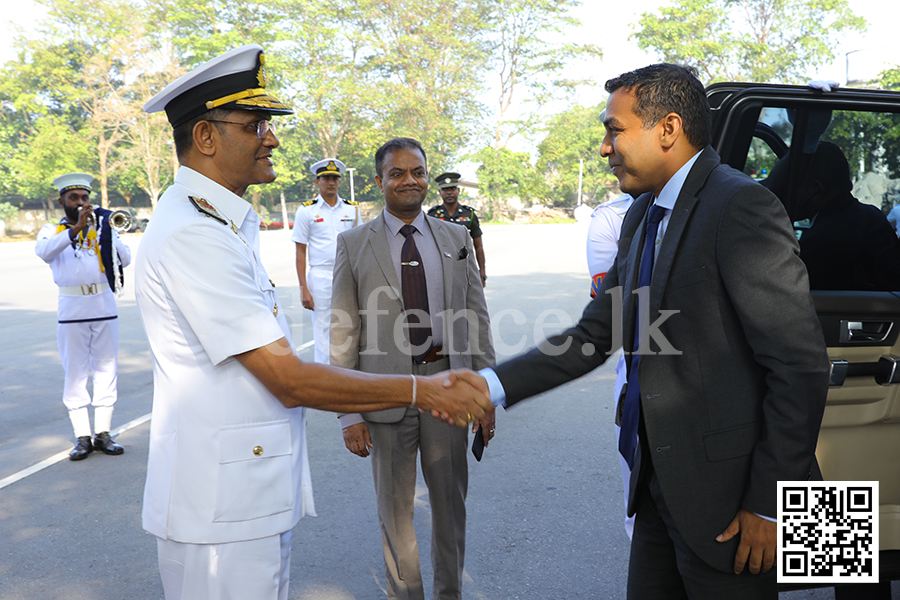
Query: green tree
200, 30
428, 57
52, 149
531, 68
75, 74
103, 39
151, 152
574, 135
889, 79
773, 41
504, 175
869, 140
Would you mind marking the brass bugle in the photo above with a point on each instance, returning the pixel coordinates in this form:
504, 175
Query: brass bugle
121, 221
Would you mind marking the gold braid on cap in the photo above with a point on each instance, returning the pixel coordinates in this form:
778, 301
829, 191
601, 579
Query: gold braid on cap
238, 96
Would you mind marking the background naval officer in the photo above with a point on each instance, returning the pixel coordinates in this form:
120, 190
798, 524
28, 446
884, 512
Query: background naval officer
87, 258
451, 210
316, 227
227, 473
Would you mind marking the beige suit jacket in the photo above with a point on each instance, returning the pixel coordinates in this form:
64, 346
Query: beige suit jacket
367, 305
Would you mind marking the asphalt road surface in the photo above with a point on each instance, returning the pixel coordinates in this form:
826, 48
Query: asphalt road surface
545, 505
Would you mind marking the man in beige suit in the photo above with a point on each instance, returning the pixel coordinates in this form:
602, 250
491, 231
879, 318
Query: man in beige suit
408, 299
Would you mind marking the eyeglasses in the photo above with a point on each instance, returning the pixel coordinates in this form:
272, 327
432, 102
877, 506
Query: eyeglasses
262, 127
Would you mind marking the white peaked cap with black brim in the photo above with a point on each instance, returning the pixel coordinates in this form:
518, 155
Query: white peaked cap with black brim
235, 80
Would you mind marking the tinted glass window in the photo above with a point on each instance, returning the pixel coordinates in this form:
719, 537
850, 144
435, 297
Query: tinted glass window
838, 174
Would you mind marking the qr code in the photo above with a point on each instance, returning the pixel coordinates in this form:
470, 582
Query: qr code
827, 532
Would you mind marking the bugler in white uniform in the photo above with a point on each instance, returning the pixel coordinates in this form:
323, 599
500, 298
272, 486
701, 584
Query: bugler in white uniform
88, 329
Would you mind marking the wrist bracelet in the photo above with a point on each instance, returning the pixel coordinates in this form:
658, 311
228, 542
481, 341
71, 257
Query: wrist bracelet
413, 403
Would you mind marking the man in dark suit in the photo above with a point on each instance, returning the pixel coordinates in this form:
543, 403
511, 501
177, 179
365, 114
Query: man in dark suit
728, 375
408, 300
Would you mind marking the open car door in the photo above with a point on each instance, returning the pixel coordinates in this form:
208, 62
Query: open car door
771, 133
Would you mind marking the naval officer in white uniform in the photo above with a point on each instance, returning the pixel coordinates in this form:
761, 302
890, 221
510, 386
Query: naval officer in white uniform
87, 258
227, 474
316, 227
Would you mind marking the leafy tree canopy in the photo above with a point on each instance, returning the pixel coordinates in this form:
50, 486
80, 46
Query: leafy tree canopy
769, 41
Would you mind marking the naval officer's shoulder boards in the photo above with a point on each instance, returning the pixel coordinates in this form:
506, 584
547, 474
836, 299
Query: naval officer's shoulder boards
207, 209
210, 211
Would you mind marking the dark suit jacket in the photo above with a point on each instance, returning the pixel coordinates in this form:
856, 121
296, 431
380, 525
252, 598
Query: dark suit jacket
365, 279
739, 407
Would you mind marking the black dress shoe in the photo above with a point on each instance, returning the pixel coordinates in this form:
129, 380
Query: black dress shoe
82, 448
104, 443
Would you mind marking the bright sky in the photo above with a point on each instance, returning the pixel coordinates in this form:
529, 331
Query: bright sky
609, 25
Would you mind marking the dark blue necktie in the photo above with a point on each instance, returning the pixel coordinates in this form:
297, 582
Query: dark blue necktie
415, 290
631, 414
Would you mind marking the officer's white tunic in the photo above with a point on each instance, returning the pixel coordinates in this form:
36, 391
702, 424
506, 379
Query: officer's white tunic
88, 329
318, 226
227, 460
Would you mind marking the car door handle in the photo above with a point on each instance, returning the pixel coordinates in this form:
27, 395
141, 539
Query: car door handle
885, 371
866, 332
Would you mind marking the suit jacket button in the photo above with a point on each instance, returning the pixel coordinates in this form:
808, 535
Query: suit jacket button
257, 450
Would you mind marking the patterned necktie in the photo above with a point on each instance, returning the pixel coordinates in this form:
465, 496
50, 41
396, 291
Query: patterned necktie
632, 410
415, 291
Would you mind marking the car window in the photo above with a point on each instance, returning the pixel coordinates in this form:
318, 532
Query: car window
838, 174
769, 143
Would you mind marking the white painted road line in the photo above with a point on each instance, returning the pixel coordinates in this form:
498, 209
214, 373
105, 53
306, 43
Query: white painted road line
49, 462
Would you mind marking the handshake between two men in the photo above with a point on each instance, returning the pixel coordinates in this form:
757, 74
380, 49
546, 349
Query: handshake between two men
445, 395
456, 397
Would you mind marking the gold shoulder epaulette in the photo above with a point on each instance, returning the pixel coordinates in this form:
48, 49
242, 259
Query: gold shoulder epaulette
351, 202
207, 209
310, 202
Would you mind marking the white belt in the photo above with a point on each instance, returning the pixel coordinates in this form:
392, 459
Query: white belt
87, 289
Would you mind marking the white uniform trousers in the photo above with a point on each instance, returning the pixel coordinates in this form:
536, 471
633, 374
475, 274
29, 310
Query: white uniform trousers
248, 570
319, 280
85, 347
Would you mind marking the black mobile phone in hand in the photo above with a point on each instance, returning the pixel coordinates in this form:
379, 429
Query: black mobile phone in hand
478, 444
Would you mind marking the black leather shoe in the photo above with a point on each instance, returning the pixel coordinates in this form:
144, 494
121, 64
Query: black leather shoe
82, 448
104, 443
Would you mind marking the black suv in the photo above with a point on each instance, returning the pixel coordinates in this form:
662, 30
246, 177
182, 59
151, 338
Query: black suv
794, 140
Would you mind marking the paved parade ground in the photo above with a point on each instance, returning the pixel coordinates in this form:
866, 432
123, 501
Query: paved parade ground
544, 506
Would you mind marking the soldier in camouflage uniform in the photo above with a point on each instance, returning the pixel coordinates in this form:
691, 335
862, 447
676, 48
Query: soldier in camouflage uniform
451, 210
